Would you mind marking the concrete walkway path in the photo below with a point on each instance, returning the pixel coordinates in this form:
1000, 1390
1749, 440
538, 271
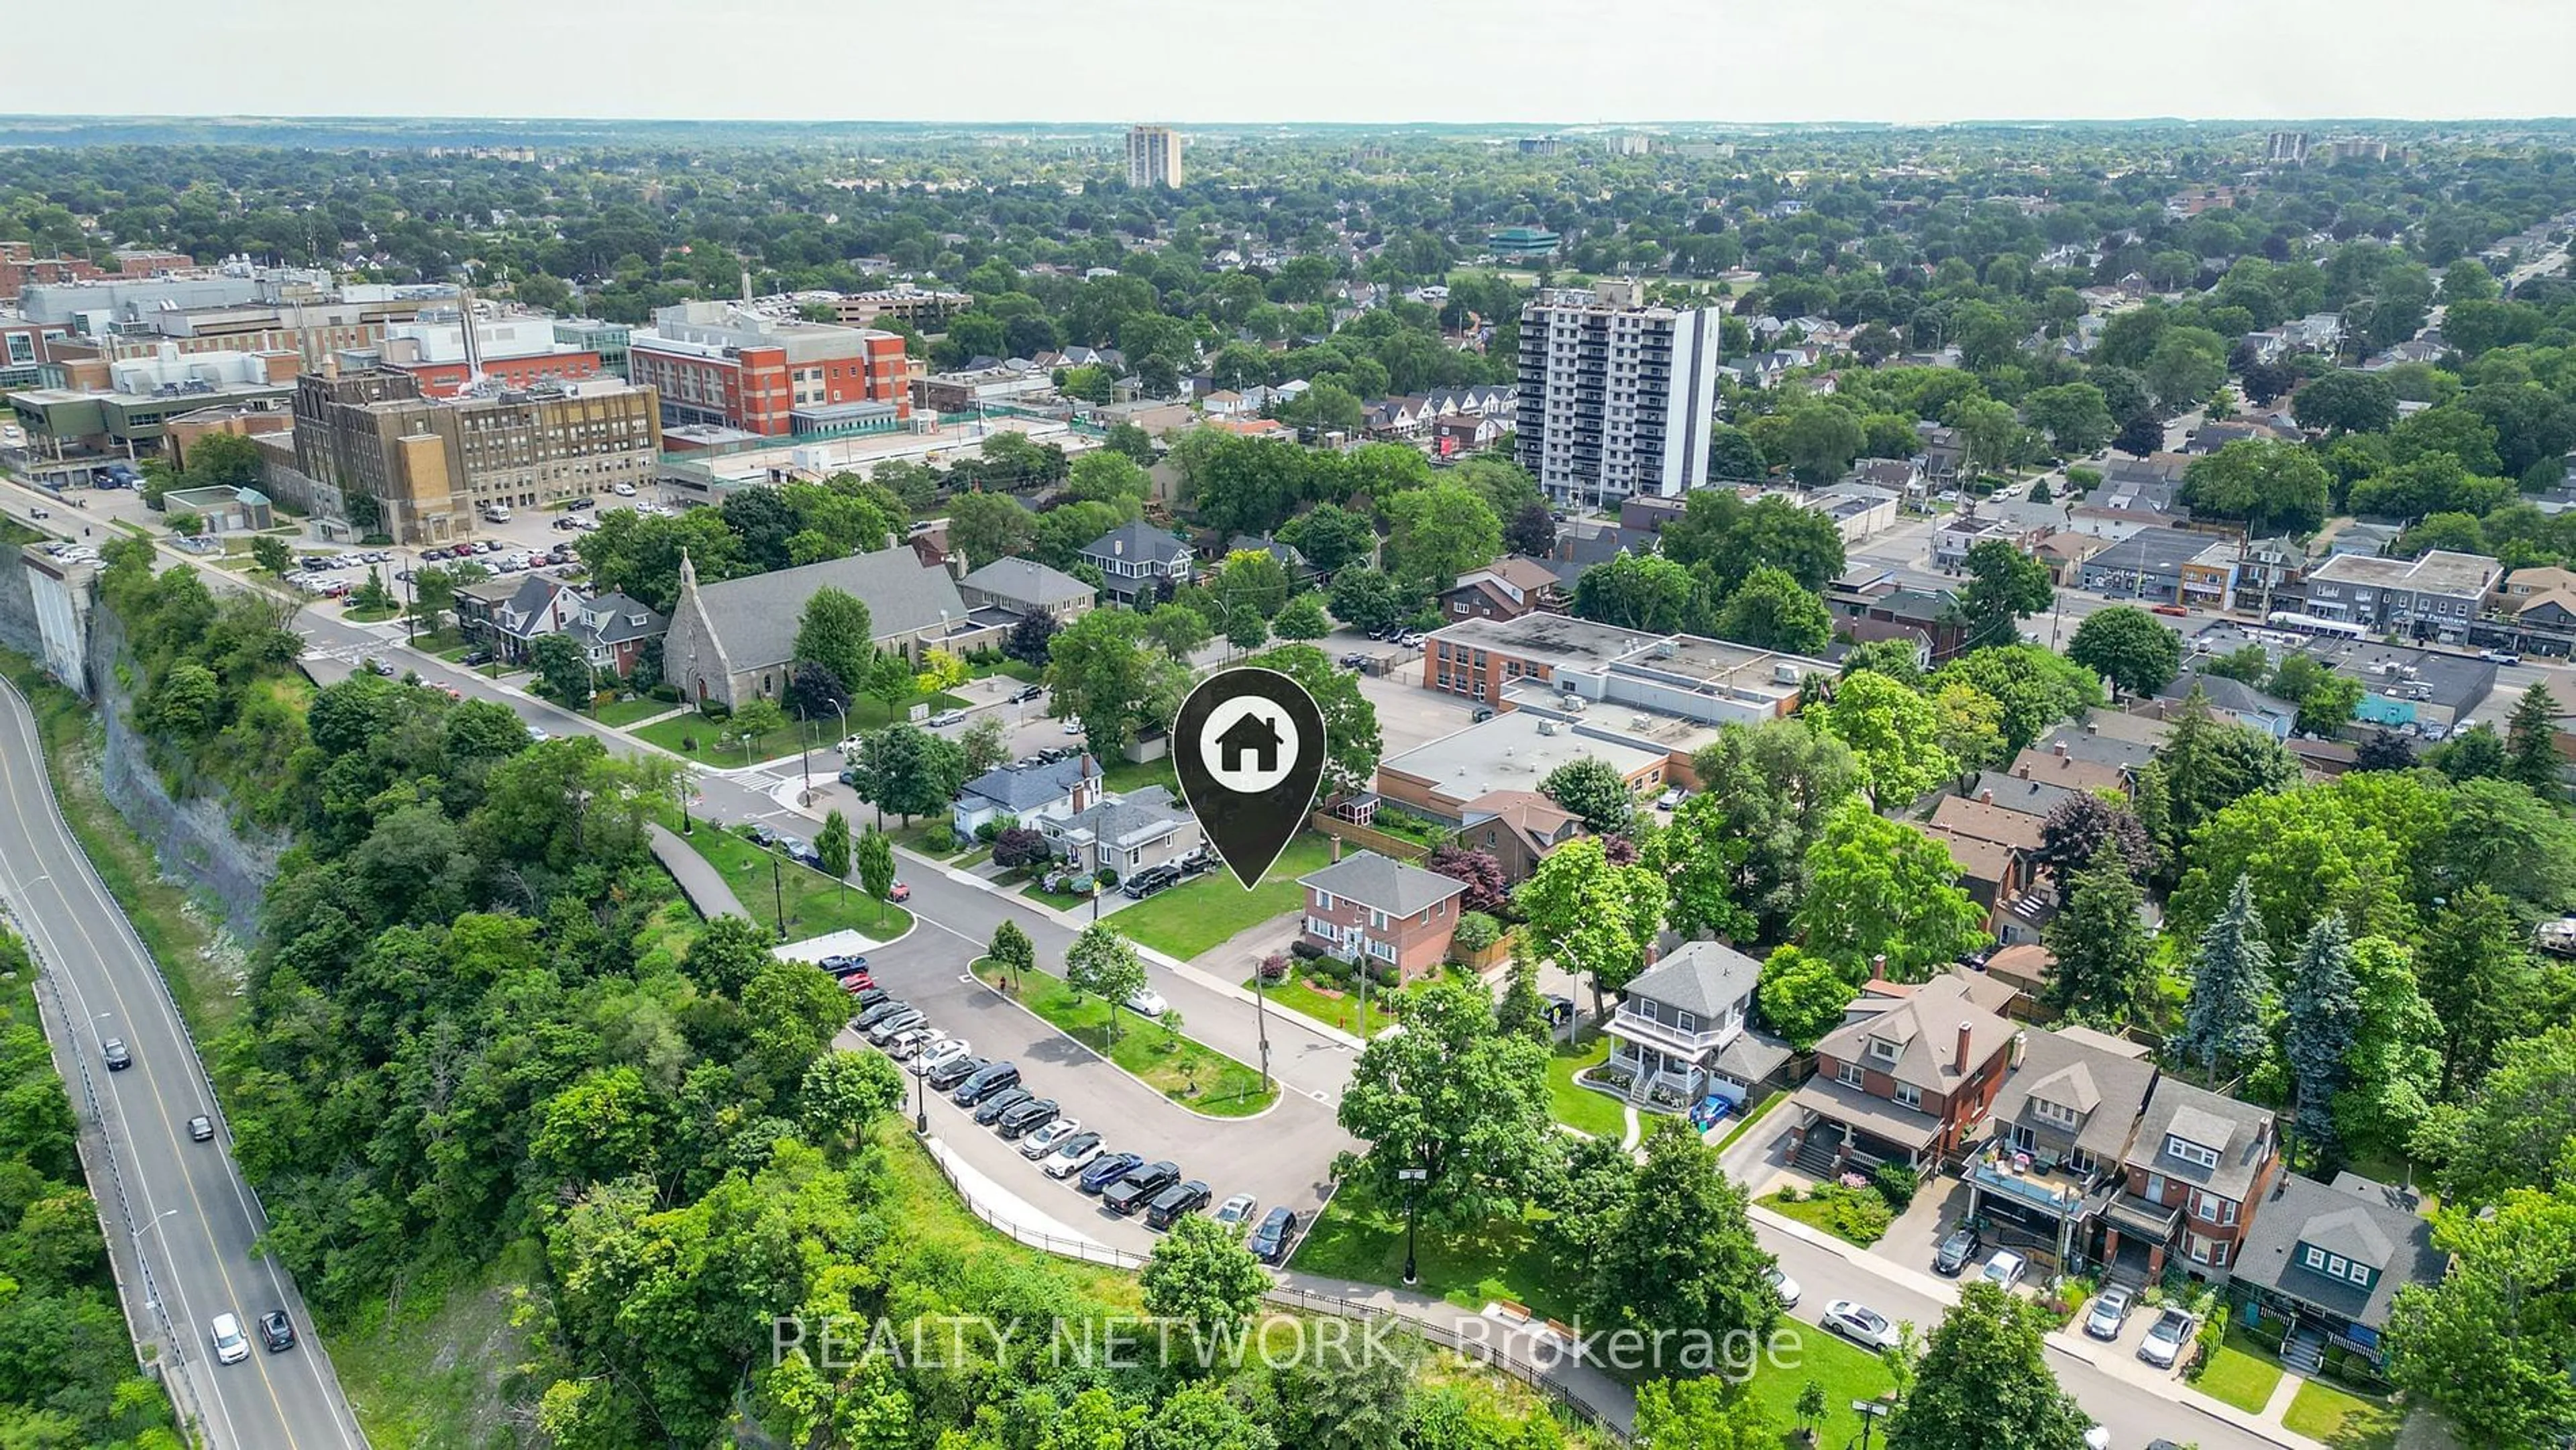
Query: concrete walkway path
699, 880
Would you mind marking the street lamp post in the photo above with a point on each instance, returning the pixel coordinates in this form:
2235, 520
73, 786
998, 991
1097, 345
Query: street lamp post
1870, 1412
1412, 1178
778, 895
921, 1105
1261, 1020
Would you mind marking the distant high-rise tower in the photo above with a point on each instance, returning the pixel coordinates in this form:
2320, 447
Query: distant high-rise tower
1616, 397
1153, 156
2287, 148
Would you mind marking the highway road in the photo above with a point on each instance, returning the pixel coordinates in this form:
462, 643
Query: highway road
185, 1211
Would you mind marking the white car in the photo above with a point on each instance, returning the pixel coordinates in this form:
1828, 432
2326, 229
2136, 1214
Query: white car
2097, 1437
1782, 1285
623, 490
946, 718
850, 744
1236, 1212
1073, 727
1860, 1324
1670, 798
231, 1345
2165, 1338
1072, 1158
2005, 1269
939, 1054
1146, 1002
1047, 1139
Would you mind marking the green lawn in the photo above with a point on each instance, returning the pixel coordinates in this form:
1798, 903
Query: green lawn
1026, 674
356, 615
1854, 1215
1121, 776
815, 903
1354, 1238
1061, 901
870, 713
1327, 1003
2242, 1373
912, 837
622, 713
1180, 1068
2344, 1420
674, 733
1187, 920
1577, 1106
1847, 1372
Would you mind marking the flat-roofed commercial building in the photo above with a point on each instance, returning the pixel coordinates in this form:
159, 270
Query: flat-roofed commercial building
743, 367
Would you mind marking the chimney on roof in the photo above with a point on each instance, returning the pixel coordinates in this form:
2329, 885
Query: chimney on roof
2091, 728
2020, 1047
2021, 772
1959, 1059
2061, 750
1878, 967
1654, 953
1986, 797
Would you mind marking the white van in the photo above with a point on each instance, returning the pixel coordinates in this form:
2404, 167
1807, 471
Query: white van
496, 514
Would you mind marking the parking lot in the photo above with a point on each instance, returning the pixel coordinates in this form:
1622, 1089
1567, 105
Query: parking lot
1280, 1157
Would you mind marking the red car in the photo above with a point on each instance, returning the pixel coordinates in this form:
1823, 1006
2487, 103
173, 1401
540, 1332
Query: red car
2171, 609
861, 982
900, 892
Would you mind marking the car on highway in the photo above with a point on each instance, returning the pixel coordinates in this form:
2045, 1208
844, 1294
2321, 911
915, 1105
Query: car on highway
1860, 1324
2005, 1269
989, 1111
2165, 1338
955, 1070
230, 1345
1107, 1169
1272, 1236
1046, 1140
276, 1331
1141, 1186
1951, 1259
1146, 1002
1175, 1203
201, 1129
984, 1082
1028, 1117
1782, 1285
2108, 1312
119, 1056
1235, 1212
1073, 1155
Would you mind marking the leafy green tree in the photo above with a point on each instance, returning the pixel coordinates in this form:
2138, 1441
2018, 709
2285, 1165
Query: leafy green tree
843, 1092
1802, 996
2319, 1031
1012, 948
1818, 443
1201, 1274
1593, 789
1521, 1010
2104, 966
1636, 591
2480, 980
1097, 674
1732, 538
1591, 917
875, 860
1457, 1097
270, 553
2078, 827
1367, 599
2206, 765
2531, 744
2126, 645
908, 770
2394, 1067
1876, 887
2477, 753
754, 722
1102, 964
836, 632
1303, 619
1985, 1381
2073, 415
1193, 1417
2361, 846
1766, 793
1772, 611
2490, 1339
2273, 487
1713, 1412
2226, 1018
1893, 735
2004, 587
1352, 743
815, 693
832, 844
1684, 1256
989, 526
1439, 533
1702, 860
2326, 700
1332, 537
2513, 1130
2032, 688
2346, 402
985, 744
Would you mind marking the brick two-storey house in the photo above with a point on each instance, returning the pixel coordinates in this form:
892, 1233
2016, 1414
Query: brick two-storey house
1368, 907
2196, 1168
1906, 1083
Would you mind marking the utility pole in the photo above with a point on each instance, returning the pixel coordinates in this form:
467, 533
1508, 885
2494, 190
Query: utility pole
778, 895
1261, 1020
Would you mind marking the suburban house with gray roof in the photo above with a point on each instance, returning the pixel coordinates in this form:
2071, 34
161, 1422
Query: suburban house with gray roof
1027, 791
1909, 1083
509, 612
2323, 1262
1124, 834
2198, 1166
614, 630
1024, 587
1683, 1034
1134, 560
1368, 907
2062, 1124
734, 641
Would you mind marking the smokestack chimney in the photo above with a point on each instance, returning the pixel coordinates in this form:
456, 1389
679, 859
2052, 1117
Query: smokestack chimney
2020, 1047
746, 284
1878, 967
1959, 1059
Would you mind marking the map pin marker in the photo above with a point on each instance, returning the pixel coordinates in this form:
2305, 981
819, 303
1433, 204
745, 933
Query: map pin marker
1249, 748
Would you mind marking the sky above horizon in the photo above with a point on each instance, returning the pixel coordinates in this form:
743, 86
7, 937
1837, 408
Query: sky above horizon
1904, 61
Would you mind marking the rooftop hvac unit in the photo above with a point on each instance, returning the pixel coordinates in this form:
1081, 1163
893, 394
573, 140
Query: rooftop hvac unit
1572, 702
1783, 674
1547, 727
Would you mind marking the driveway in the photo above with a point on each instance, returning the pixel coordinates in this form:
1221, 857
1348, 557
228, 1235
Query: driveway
1937, 1208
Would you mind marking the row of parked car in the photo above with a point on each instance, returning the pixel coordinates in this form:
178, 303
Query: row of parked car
1125, 1183
2103, 1319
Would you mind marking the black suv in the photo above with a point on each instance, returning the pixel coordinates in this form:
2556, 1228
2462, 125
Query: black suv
1956, 1252
949, 1074
277, 1331
1139, 1186
1035, 1113
1176, 1202
1277, 1230
991, 1079
1150, 880
992, 1108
